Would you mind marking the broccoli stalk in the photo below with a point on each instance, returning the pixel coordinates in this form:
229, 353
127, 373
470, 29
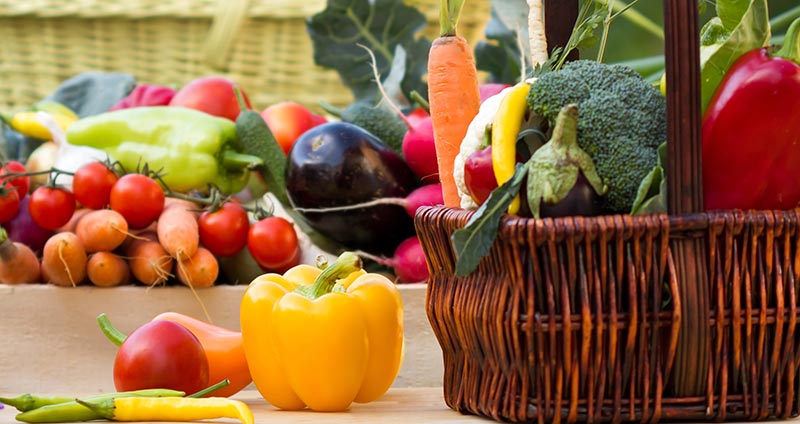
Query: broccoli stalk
555, 167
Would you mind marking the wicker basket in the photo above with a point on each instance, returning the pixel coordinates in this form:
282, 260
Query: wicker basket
686, 316
171, 42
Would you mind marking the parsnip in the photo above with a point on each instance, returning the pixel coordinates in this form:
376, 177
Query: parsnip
536, 32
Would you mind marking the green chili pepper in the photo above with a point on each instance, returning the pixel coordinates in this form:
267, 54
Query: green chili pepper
27, 401
73, 411
192, 149
69, 410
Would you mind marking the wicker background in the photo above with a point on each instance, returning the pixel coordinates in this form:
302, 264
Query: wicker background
47, 41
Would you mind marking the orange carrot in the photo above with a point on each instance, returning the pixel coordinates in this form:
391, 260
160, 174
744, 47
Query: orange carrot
177, 229
102, 230
452, 94
18, 263
199, 271
149, 262
64, 260
106, 269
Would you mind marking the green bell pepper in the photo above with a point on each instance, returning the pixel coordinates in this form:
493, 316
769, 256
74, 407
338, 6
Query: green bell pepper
191, 148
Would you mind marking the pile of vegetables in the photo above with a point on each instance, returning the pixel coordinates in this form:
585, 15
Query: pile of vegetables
128, 229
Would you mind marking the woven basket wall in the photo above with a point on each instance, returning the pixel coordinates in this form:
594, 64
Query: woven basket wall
45, 42
689, 315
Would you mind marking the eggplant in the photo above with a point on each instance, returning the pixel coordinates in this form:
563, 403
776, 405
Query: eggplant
581, 200
339, 164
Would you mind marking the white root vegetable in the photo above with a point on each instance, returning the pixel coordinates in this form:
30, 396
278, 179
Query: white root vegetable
536, 32
472, 142
69, 157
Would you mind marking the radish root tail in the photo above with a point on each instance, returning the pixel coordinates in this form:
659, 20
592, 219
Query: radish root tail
182, 267
64, 262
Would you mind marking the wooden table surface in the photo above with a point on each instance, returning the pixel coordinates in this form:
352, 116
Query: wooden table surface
399, 405
413, 405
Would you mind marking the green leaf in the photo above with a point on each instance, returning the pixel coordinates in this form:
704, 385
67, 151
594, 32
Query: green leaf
717, 52
507, 30
474, 241
380, 25
731, 12
652, 194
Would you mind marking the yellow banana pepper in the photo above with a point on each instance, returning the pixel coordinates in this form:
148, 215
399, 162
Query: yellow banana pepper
322, 339
505, 128
26, 122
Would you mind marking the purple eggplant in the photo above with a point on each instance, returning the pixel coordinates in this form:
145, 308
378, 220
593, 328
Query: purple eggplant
339, 164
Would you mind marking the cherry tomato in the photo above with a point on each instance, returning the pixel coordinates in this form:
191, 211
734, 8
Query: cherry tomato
224, 231
287, 121
22, 184
138, 198
92, 184
161, 354
51, 207
273, 244
9, 205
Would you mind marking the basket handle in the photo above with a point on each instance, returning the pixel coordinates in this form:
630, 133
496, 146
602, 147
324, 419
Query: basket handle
684, 117
227, 20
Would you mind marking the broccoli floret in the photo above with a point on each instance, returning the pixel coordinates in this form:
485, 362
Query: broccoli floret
622, 121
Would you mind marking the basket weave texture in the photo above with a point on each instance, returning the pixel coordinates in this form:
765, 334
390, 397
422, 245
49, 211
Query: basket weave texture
168, 42
689, 315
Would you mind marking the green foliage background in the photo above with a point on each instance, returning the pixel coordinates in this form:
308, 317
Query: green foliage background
626, 41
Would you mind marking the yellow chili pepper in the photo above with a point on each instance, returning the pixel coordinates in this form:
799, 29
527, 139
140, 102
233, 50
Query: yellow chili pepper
26, 122
505, 128
322, 339
170, 409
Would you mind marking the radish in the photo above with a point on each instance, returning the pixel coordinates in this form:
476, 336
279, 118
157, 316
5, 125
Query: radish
489, 89
427, 195
408, 262
419, 150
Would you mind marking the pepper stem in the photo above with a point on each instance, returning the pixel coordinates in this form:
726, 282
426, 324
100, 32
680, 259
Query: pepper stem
104, 408
111, 333
210, 389
237, 161
791, 43
345, 264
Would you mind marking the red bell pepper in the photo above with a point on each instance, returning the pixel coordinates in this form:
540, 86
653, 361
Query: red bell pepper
751, 132
146, 95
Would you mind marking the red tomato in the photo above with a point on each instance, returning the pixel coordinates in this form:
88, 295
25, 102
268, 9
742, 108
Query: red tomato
224, 231
51, 207
161, 354
273, 244
212, 95
9, 205
138, 198
23, 183
287, 121
92, 184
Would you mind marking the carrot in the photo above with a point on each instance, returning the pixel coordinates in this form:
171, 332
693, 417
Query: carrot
106, 269
18, 263
72, 224
177, 229
149, 262
453, 95
199, 271
64, 260
102, 230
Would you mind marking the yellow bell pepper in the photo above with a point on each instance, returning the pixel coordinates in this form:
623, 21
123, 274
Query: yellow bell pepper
505, 128
322, 338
